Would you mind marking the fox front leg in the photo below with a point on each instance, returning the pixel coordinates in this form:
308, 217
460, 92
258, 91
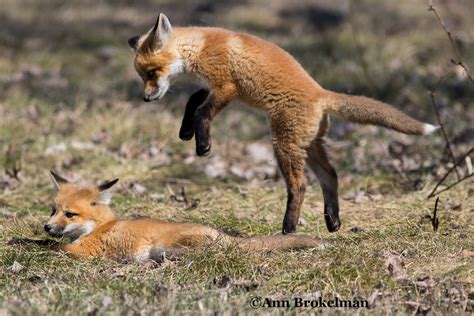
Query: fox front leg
214, 103
186, 131
52, 244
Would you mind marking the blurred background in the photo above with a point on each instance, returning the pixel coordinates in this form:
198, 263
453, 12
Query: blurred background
71, 100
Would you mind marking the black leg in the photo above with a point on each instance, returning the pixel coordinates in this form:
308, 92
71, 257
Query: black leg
186, 131
319, 162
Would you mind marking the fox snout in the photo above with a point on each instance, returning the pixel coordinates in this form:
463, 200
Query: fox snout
148, 97
54, 230
156, 89
47, 228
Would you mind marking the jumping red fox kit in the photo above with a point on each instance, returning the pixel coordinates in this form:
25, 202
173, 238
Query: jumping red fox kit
82, 214
239, 66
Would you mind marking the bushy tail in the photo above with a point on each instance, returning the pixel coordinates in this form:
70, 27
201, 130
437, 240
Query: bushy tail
364, 110
277, 242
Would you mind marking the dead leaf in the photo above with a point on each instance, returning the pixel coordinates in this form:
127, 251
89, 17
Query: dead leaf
356, 230
223, 281
6, 213
82, 145
16, 267
55, 149
157, 196
373, 297
138, 188
394, 265
424, 284
226, 282
356, 197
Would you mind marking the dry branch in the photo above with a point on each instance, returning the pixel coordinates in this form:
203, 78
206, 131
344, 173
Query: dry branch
443, 130
434, 219
432, 93
434, 193
460, 61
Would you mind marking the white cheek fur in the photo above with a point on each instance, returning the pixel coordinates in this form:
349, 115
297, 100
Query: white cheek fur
78, 231
176, 68
88, 227
71, 227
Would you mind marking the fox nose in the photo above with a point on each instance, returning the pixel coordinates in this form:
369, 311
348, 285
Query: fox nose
47, 228
146, 98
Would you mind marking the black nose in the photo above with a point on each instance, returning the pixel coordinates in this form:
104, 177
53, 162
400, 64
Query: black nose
146, 98
47, 228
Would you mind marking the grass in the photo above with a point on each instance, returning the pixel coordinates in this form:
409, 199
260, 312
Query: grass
71, 101
350, 265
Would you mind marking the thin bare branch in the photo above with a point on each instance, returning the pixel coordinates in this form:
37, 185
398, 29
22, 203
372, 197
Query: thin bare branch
434, 218
360, 51
454, 184
443, 130
434, 193
460, 61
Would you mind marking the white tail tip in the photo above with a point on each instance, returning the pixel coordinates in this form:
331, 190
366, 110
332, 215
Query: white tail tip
428, 129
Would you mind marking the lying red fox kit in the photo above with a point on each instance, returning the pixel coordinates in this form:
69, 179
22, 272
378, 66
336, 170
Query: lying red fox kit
82, 214
240, 66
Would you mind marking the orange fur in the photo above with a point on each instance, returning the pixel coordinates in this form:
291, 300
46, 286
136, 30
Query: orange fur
82, 214
240, 66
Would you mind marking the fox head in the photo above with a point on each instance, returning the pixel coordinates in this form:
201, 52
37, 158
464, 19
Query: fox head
157, 60
77, 209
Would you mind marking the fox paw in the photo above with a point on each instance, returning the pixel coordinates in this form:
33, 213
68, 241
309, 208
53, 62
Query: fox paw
16, 242
203, 150
186, 134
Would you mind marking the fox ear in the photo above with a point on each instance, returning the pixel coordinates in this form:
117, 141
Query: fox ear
133, 42
107, 185
162, 30
57, 180
104, 198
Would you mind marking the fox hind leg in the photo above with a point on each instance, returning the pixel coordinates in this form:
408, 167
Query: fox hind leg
291, 161
319, 162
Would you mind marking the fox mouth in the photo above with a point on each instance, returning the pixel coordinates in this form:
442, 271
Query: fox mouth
72, 234
155, 95
59, 233
65, 232
56, 235
163, 85
72, 231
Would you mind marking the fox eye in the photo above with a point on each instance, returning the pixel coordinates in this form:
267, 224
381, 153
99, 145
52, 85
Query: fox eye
93, 203
150, 74
53, 210
69, 215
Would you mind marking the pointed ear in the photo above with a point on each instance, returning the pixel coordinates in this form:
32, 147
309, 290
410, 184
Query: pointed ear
133, 42
107, 185
104, 198
161, 31
57, 180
